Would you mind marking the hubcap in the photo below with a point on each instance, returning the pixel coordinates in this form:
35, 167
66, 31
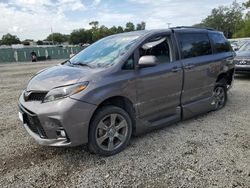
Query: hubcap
219, 96
111, 132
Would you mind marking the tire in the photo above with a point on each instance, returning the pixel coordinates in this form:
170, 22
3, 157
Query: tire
220, 95
110, 131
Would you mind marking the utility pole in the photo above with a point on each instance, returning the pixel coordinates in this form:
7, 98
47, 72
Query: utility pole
52, 36
169, 24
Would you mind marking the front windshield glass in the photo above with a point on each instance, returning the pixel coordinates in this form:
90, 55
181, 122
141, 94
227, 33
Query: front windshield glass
105, 52
245, 47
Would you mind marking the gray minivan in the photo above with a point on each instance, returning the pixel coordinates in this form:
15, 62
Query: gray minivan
128, 84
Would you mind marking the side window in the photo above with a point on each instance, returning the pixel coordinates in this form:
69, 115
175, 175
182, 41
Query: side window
159, 47
194, 45
129, 64
220, 43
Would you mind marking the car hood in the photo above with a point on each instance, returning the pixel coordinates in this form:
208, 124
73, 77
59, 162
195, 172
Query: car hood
243, 54
59, 75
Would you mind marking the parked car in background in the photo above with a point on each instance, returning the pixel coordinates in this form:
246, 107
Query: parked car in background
242, 59
128, 84
236, 44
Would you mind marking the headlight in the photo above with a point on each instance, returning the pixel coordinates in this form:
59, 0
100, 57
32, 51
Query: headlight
65, 91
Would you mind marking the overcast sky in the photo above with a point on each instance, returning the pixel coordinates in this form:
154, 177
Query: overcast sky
35, 18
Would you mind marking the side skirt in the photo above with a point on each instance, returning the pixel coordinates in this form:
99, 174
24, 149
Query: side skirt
197, 107
143, 126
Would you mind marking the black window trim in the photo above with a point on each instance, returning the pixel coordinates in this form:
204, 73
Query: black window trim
180, 46
171, 45
213, 44
134, 57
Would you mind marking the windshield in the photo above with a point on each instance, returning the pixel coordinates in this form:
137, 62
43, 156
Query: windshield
245, 47
105, 52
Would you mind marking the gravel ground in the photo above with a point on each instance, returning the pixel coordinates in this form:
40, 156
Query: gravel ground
212, 150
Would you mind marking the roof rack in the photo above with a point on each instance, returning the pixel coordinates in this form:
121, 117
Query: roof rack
192, 27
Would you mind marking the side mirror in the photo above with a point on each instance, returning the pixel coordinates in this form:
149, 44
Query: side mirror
147, 61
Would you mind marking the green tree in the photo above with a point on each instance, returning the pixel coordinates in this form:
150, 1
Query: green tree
129, 27
103, 32
247, 4
9, 39
80, 36
120, 29
94, 25
244, 31
97, 32
113, 30
39, 42
225, 19
58, 38
141, 26
244, 26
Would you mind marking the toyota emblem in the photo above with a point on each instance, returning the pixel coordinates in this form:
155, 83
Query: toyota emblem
243, 62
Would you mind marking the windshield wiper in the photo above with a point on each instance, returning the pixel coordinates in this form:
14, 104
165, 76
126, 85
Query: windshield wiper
69, 61
82, 64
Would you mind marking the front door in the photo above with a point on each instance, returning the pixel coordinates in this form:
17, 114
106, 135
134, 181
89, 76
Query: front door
159, 87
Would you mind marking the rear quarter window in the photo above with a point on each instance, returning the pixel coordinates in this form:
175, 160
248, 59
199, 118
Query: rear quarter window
194, 45
220, 43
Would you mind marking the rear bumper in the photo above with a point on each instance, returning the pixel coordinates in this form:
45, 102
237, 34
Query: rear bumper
43, 121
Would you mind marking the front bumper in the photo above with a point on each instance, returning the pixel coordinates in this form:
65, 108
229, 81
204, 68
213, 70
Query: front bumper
242, 69
43, 121
47, 142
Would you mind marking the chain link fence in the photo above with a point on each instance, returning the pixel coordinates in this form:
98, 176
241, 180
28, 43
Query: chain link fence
43, 53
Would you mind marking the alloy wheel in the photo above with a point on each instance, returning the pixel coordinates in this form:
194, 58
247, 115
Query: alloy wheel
219, 97
111, 132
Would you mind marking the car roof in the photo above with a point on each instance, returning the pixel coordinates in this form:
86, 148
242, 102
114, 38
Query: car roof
173, 29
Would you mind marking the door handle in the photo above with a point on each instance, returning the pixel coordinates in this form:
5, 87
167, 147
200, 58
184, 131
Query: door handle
190, 66
175, 69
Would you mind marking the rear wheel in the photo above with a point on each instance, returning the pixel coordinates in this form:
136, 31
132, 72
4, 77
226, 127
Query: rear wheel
110, 131
220, 96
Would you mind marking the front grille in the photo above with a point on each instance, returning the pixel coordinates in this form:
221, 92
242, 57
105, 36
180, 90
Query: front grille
34, 96
37, 96
241, 62
34, 124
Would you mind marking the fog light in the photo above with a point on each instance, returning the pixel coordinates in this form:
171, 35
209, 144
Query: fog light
61, 133
53, 123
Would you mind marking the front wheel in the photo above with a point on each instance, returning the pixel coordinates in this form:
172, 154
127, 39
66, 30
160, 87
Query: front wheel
220, 96
110, 131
